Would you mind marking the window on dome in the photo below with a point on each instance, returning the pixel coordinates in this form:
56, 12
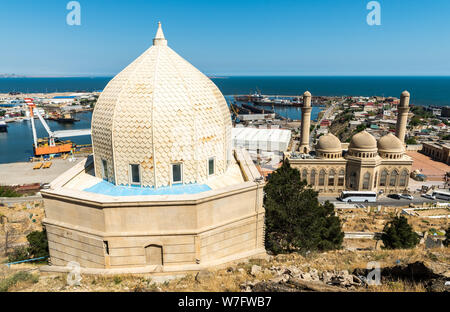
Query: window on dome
177, 174
104, 169
135, 174
211, 166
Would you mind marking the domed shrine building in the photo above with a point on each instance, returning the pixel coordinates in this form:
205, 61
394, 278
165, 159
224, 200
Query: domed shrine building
366, 165
163, 191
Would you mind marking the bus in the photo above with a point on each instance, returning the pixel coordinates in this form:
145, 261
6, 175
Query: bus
441, 195
358, 196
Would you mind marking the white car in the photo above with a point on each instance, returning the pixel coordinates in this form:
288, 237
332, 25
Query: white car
429, 196
407, 196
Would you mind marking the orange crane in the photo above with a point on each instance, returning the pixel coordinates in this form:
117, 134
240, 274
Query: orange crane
45, 146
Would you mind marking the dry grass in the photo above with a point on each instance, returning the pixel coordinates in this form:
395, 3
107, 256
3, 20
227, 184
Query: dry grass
359, 220
222, 280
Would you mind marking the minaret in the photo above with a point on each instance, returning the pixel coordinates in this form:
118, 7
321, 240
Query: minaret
402, 116
306, 119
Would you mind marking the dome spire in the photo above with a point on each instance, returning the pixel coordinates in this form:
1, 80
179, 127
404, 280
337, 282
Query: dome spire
159, 37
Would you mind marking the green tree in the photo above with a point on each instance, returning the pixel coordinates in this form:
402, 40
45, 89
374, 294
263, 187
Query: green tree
360, 128
295, 220
38, 244
415, 121
398, 234
411, 141
7, 191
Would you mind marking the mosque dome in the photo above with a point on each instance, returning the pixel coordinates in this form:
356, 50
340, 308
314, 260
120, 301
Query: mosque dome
390, 143
363, 145
160, 121
329, 146
328, 143
389, 146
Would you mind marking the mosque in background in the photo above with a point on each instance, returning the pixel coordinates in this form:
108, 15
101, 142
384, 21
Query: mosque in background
367, 164
164, 190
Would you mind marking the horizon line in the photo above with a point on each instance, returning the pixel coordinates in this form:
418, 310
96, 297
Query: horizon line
16, 76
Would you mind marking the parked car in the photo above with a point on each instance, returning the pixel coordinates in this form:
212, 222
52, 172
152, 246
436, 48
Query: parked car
394, 196
407, 196
428, 196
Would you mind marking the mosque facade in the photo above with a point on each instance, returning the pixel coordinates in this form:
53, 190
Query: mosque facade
367, 164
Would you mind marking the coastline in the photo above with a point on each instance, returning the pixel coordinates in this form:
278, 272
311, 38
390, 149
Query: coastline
425, 90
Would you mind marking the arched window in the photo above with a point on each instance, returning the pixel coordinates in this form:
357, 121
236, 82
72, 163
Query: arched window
366, 180
322, 178
331, 177
375, 180
305, 175
383, 178
393, 179
404, 177
313, 177
341, 177
353, 183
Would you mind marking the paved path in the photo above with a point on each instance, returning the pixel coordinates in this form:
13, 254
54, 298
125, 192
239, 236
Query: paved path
22, 172
13, 200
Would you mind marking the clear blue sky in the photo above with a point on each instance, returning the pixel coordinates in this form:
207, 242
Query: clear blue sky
229, 37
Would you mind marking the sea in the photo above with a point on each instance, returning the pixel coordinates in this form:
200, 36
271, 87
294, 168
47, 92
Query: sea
16, 144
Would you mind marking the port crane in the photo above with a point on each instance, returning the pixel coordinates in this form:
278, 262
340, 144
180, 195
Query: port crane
52, 145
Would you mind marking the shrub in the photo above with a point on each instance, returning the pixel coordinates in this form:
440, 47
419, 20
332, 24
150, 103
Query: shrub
18, 254
295, 220
9, 282
7, 191
38, 244
398, 234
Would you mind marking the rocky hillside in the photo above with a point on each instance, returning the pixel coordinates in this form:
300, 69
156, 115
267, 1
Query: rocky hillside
331, 271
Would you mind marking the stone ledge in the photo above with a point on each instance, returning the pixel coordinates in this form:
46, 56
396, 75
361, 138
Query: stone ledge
162, 270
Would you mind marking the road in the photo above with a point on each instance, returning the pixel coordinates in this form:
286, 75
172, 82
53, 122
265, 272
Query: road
386, 201
325, 115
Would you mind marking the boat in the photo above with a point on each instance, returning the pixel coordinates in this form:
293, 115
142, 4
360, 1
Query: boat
67, 118
3, 126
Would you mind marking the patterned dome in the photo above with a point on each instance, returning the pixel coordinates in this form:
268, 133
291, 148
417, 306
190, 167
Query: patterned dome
329, 143
160, 111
